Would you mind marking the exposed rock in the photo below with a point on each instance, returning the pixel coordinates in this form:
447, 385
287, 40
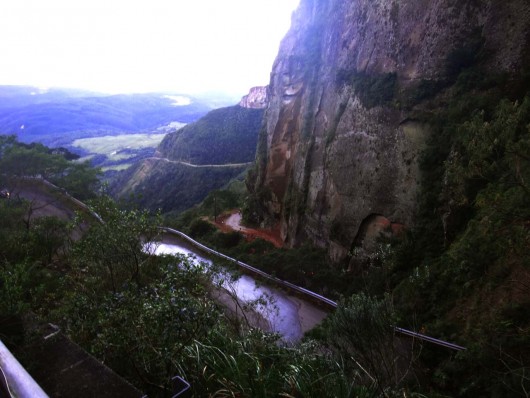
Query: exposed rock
257, 98
341, 139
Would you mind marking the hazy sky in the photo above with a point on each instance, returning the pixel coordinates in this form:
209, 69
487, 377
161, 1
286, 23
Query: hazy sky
142, 45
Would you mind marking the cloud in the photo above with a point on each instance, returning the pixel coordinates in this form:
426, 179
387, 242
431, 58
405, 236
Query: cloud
142, 45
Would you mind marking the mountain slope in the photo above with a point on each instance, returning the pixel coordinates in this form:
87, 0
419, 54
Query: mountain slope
352, 92
225, 135
59, 117
196, 159
397, 138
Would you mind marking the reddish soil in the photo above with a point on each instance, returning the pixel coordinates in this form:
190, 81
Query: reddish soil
231, 221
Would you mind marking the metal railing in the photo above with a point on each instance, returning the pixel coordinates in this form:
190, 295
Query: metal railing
288, 285
15, 379
307, 293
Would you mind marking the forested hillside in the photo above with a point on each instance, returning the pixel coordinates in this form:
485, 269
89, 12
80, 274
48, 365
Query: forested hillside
148, 317
226, 135
157, 184
194, 160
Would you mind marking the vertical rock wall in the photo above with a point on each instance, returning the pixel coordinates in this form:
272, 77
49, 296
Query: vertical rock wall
341, 142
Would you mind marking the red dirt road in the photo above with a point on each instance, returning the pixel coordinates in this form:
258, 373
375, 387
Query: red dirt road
231, 221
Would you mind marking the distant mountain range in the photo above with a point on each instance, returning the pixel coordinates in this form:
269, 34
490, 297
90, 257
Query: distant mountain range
57, 117
127, 136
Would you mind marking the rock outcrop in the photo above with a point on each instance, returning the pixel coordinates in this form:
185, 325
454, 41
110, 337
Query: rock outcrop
342, 140
257, 98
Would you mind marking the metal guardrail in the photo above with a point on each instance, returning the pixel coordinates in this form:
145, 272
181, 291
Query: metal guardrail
428, 339
17, 380
324, 300
308, 293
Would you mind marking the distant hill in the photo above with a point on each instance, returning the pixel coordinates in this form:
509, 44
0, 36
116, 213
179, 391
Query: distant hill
171, 187
57, 117
198, 158
225, 135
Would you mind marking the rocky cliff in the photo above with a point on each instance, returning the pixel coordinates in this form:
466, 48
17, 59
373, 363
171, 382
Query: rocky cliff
257, 98
338, 157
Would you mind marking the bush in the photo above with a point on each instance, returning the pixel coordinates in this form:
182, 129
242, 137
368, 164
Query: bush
361, 331
201, 228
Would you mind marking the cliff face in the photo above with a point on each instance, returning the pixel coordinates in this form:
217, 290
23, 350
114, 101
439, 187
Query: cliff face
257, 98
339, 152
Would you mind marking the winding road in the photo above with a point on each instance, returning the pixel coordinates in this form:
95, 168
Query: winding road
296, 315
226, 165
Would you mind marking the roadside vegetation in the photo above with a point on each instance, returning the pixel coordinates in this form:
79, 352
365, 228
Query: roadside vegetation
461, 274
150, 318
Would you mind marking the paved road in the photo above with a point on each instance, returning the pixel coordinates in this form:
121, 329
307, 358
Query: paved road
287, 314
226, 165
43, 201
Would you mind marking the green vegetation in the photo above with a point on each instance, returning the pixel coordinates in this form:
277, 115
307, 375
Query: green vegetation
35, 160
462, 272
215, 203
112, 145
305, 266
225, 135
172, 187
149, 317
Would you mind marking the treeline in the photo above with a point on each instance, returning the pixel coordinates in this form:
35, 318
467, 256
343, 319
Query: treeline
19, 160
225, 135
150, 318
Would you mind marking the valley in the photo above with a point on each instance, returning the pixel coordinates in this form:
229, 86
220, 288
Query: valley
110, 131
383, 173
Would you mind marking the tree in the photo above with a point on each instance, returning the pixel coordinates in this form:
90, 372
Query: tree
112, 253
19, 161
79, 180
361, 331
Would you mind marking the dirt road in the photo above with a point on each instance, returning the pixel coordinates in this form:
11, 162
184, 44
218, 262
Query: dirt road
231, 221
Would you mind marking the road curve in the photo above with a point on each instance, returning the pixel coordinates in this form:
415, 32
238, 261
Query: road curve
226, 165
307, 294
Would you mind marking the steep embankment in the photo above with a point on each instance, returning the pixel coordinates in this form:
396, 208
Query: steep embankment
225, 135
353, 92
196, 159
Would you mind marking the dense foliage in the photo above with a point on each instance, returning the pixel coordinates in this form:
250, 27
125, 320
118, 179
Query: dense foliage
18, 160
462, 273
468, 268
225, 135
150, 317
170, 187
